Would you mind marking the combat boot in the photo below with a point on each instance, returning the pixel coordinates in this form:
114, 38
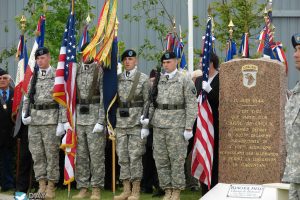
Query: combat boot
82, 194
175, 194
136, 188
168, 194
126, 191
50, 191
95, 193
42, 186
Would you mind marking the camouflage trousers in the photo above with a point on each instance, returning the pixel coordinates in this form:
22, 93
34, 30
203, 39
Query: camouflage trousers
90, 157
44, 148
130, 149
294, 192
169, 151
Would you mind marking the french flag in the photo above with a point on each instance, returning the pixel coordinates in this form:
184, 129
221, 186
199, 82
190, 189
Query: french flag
39, 42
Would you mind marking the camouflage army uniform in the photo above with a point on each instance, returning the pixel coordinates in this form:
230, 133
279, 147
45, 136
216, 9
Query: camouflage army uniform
175, 111
90, 158
130, 146
43, 142
292, 125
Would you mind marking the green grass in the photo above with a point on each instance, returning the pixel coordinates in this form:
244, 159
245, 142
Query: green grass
108, 195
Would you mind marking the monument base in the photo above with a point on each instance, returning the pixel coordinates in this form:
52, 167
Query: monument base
270, 192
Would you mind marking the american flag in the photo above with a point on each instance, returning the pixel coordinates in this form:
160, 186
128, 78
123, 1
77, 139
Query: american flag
65, 93
202, 156
266, 33
268, 53
38, 42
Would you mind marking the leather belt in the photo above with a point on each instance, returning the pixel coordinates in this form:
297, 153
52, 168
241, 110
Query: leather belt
131, 104
88, 101
45, 106
170, 106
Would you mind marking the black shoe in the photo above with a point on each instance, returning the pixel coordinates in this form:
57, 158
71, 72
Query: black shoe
158, 193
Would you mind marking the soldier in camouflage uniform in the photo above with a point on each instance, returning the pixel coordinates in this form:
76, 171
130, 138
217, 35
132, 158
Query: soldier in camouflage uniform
292, 125
130, 134
43, 120
91, 140
173, 119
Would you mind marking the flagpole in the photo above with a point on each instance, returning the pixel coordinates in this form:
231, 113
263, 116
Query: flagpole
190, 37
69, 182
113, 136
18, 117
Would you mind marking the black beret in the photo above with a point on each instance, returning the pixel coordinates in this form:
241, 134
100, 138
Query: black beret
168, 56
128, 53
3, 72
296, 39
41, 51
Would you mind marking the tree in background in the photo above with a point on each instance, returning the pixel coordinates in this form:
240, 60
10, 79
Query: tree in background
246, 15
56, 12
158, 19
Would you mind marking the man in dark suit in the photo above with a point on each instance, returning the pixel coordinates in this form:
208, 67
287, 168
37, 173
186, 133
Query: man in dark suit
212, 88
6, 132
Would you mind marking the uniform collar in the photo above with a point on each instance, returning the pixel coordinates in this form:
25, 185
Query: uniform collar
45, 72
129, 74
170, 75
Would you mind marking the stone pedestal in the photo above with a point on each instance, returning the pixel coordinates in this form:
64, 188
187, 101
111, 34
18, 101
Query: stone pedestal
252, 141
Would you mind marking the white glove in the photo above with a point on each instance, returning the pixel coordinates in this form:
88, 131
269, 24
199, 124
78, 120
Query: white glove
187, 135
206, 86
26, 120
67, 126
98, 128
143, 121
144, 133
60, 129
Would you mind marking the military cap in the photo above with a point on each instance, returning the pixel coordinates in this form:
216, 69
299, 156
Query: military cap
3, 72
168, 56
296, 39
128, 53
41, 51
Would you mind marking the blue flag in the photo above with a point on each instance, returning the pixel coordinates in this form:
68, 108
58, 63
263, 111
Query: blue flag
231, 50
110, 87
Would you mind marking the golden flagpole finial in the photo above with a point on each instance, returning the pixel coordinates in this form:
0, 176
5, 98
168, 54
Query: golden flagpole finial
174, 24
116, 27
23, 23
88, 19
230, 25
